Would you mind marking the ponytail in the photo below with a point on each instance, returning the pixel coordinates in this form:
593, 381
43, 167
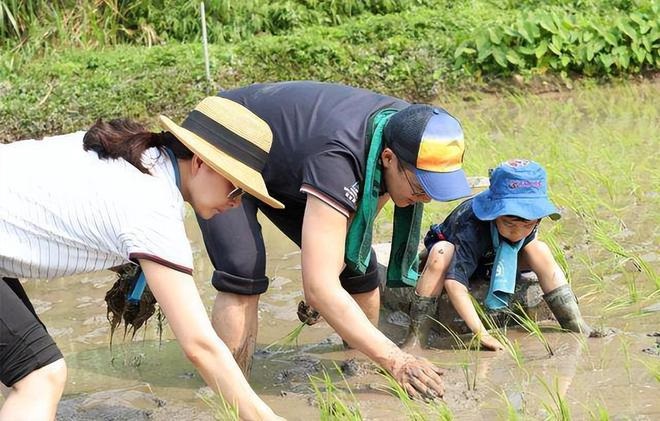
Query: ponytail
127, 139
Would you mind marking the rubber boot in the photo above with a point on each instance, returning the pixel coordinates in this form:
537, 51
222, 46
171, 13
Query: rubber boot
563, 304
421, 309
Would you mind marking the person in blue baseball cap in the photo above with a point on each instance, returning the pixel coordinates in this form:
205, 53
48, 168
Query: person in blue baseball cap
494, 232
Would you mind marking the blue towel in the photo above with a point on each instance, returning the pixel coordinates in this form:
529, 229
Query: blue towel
505, 268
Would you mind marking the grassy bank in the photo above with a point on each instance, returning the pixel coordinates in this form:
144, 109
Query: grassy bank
77, 70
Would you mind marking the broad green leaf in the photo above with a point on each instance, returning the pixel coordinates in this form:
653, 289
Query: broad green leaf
494, 36
528, 51
606, 59
628, 30
647, 44
565, 60
546, 23
481, 42
499, 57
541, 49
484, 53
514, 58
639, 52
532, 29
610, 38
524, 33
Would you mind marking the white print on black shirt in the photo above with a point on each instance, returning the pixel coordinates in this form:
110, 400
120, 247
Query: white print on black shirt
351, 192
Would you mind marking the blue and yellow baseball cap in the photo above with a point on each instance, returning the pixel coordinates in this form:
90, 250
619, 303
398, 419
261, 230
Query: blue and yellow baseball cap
430, 139
518, 187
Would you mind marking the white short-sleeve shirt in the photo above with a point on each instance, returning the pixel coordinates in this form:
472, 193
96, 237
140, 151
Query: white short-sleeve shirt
64, 211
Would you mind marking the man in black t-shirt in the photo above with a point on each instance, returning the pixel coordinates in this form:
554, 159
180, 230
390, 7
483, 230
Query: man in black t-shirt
322, 134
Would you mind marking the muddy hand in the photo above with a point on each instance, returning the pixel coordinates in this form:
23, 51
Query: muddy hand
490, 343
307, 314
419, 378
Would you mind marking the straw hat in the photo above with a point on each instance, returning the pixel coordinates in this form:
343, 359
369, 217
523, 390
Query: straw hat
230, 139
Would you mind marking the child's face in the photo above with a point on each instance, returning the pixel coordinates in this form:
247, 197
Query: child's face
514, 229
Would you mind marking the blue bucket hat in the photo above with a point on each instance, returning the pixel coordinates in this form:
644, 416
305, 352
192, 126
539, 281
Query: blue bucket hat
518, 188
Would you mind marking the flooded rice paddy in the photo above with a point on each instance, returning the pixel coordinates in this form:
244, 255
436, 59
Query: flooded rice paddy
600, 147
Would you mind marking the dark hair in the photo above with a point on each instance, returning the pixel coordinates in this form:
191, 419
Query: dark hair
128, 139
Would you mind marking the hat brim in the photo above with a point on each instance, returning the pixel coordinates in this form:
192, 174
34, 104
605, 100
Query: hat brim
232, 169
444, 186
488, 208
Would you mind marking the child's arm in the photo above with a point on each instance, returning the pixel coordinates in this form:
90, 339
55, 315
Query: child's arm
462, 302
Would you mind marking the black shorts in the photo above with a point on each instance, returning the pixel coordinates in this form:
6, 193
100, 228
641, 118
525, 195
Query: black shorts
25, 345
236, 248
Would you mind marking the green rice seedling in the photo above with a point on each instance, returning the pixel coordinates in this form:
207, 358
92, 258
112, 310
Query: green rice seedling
530, 325
551, 240
513, 348
413, 410
596, 279
611, 245
222, 410
288, 339
471, 357
600, 413
557, 409
441, 411
330, 404
627, 362
512, 414
653, 367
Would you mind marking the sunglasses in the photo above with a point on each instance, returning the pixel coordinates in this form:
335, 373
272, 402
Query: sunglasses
236, 193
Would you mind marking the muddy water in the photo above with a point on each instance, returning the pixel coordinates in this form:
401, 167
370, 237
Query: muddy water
147, 378
144, 377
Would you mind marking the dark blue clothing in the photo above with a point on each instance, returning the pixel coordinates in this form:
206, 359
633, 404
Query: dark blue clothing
319, 136
473, 244
319, 143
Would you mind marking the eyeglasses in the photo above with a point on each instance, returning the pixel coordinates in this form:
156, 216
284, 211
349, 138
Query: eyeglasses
236, 193
416, 191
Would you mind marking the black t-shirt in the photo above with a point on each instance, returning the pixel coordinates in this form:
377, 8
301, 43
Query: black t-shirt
473, 244
319, 132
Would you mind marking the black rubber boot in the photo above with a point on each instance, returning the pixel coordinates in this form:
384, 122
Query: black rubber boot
563, 304
421, 308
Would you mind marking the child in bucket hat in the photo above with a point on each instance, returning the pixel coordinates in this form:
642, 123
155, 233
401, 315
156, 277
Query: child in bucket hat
498, 227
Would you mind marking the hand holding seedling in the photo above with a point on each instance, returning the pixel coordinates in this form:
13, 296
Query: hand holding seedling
490, 343
419, 378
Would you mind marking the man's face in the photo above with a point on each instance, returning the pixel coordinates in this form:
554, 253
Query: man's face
401, 182
513, 228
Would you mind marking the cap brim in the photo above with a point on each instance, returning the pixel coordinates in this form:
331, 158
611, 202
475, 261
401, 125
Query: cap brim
444, 186
235, 171
487, 208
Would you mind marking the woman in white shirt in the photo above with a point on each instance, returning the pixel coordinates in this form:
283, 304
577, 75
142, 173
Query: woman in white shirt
110, 196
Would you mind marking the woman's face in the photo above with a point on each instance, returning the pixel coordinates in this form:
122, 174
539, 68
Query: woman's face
209, 192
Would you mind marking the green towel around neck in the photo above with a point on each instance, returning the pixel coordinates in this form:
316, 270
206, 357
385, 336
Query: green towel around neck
402, 266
